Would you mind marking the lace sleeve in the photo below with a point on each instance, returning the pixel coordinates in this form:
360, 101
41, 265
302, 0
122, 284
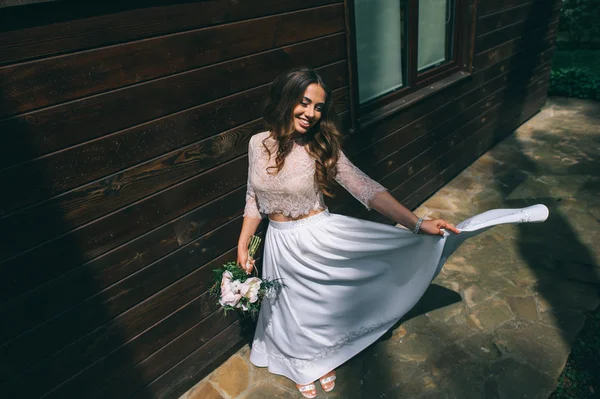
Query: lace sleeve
361, 186
251, 209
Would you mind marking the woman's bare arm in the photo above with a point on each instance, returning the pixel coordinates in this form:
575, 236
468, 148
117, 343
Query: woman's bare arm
388, 206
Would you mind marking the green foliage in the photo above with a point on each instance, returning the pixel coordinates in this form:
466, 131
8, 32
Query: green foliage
579, 18
574, 82
580, 379
585, 59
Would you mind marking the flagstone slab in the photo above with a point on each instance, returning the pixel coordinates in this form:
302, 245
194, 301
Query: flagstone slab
491, 315
482, 347
264, 389
475, 294
235, 366
523, 307
204, 390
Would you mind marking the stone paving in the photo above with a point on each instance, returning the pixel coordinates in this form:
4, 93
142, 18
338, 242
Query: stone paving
498, 322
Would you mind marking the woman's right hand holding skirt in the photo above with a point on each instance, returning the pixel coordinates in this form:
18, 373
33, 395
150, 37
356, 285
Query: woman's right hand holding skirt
436, 227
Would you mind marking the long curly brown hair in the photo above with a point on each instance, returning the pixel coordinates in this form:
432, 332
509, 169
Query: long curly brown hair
323, 139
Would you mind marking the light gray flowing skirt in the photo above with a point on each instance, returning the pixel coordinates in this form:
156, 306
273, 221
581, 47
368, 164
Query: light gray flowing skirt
346, 281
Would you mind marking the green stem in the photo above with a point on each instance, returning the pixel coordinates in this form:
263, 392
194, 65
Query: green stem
254, 244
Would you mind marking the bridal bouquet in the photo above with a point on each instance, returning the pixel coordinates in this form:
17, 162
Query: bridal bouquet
238, 291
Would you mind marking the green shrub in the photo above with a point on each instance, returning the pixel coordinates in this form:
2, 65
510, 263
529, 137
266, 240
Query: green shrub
579, 18
585, 59
574, 82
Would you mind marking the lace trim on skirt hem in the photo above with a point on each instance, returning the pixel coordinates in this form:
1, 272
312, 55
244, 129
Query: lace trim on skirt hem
300, 364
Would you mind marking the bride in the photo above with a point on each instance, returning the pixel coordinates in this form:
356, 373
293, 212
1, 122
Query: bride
345, 280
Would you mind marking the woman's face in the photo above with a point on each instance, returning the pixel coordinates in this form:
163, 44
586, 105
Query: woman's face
308, 112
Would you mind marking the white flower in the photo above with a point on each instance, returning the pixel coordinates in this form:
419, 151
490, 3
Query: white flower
230, 299
235, 286
250, 288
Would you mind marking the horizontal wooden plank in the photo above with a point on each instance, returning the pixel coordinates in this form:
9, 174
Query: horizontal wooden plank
547, 27
512, 16
46, 82
81, 164
13, 3
530, 51
93, 277
60, 352
487, 7
71, 26
192, 369
50, 129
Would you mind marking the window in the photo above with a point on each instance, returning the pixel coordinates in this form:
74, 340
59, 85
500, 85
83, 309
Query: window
400, 46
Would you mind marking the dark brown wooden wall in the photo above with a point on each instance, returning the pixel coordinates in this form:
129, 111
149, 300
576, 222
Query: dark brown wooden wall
122, 176
124, 132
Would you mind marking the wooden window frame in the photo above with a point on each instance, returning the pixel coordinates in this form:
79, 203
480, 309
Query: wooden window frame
418, 85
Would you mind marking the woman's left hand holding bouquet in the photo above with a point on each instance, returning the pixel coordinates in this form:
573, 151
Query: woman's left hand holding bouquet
244, 260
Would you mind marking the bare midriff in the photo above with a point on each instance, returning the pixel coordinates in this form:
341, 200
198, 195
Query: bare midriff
279, 217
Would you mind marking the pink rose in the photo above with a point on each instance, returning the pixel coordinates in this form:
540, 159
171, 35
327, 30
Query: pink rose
226, 283
230, 299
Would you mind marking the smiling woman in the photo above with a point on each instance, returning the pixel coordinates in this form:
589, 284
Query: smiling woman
333, 268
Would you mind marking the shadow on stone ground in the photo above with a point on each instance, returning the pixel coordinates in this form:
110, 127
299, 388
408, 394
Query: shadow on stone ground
540, 280
524, 289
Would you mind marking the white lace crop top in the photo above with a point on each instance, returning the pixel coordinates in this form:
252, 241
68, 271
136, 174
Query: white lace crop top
293, 191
